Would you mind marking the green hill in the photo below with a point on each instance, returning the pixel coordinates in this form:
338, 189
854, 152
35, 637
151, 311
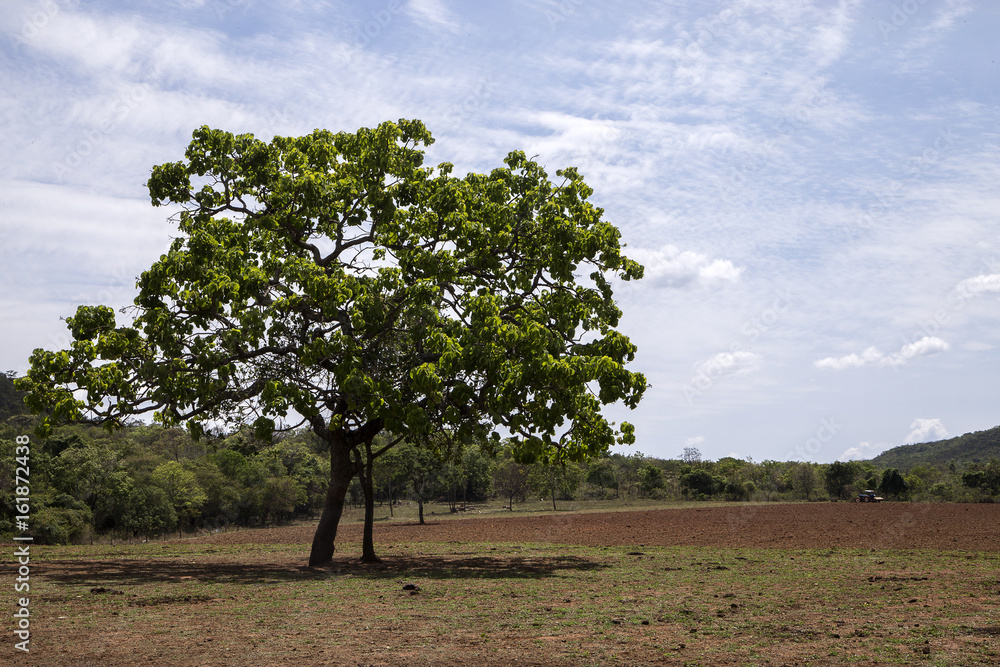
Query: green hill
977, 447
11, 400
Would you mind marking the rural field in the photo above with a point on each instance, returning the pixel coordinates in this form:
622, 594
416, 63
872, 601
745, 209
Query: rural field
774, 584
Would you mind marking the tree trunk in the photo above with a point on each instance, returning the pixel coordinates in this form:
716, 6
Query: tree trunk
420, 509
341, 472
368, 485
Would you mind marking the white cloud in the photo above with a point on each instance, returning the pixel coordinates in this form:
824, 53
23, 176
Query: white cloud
970, 287
872, 356
725, 364
926, 430
671, 267
864, 451
921, 430
695, 441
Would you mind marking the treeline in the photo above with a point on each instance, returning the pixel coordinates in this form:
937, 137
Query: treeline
144, 481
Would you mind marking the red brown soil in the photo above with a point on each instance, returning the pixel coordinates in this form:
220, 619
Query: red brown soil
785, 526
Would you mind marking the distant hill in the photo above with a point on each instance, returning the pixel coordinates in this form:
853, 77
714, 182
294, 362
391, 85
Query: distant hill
977, 447
11, 400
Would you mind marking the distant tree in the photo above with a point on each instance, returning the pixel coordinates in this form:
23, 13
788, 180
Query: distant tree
278, 498
182, 489
805, 479
840, 475
510, 478
148, 512
390, 476
942, 491
556, 482
739, 490
892, 484
627, 471
61, 520
422, 470
650, 479
452, 481
698, 482
478, 468
691, 455
11, 400
334, 277
602, 474
986, 478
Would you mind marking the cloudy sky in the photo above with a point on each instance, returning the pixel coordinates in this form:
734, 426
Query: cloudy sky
812, 187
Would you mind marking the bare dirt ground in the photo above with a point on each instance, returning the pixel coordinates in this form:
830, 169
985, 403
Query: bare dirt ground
782, 584
788, 526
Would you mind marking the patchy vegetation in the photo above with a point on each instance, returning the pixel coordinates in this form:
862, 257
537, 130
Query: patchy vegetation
448, 594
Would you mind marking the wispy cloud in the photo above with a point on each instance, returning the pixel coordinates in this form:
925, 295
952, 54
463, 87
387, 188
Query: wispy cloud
873, 357
434, 14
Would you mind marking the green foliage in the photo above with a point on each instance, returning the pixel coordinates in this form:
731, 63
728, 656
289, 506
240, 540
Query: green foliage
976, 447
892, 485
510, 479
11, 400
333, 277
182, 489
650, 480
841, 478
148, 511
603, 474
699, 483
557, 482
269, 302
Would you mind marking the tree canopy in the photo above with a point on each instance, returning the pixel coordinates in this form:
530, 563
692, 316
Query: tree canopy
333, 280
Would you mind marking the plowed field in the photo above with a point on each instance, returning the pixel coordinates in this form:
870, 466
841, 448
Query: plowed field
790, 526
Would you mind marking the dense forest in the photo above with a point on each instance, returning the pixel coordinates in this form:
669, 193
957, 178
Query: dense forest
145, 481
977, 447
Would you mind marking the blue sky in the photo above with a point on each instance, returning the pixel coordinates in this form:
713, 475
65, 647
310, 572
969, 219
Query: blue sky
812, 187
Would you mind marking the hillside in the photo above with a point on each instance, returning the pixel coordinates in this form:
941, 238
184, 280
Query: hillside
976, 447
11, 400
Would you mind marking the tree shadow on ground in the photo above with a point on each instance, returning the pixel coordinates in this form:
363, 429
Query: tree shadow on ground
98, 573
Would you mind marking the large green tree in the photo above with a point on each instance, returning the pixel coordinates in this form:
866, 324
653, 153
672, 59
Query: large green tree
334, 278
